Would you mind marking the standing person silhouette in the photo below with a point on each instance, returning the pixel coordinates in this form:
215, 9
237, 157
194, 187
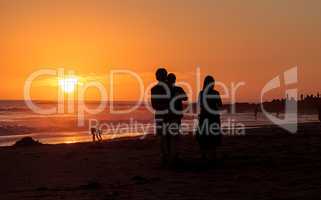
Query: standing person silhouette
160, 96
209, 125
93, 133
175, 115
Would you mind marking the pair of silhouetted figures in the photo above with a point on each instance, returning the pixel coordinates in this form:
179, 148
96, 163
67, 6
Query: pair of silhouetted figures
167, 101
96, 133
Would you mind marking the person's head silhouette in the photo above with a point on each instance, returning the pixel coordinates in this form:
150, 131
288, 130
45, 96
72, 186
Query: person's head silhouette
171, 78
209, 83
161, 74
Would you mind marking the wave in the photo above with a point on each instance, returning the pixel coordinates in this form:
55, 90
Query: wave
15, 129
13, 109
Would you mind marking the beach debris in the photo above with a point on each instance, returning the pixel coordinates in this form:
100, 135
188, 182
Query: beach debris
26, 142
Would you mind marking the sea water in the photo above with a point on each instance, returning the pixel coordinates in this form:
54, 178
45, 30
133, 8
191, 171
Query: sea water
17, 121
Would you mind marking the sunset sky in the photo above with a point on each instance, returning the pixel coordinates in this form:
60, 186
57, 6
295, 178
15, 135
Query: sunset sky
234, 40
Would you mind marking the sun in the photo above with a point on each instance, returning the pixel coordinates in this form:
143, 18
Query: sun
68, 85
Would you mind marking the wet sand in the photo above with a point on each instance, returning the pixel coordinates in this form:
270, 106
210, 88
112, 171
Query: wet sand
266, 163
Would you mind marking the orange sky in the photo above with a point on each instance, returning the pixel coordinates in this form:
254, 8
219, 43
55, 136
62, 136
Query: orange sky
250, 41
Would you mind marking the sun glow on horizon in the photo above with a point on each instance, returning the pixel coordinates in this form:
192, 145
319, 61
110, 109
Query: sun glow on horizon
68, 85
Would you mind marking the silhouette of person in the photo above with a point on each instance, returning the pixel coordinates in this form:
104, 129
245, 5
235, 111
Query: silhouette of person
160, 97
209, 125
175, 115
96, 134
93, 133
99, 133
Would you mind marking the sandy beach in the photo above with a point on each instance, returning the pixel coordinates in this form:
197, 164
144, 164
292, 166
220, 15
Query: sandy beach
267, 163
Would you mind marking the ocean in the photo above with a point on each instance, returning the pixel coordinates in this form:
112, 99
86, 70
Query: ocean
17, 120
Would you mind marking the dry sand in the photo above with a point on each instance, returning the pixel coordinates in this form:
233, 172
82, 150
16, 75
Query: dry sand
267, 163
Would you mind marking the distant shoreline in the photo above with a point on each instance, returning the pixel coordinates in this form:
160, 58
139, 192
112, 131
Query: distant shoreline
85, 137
